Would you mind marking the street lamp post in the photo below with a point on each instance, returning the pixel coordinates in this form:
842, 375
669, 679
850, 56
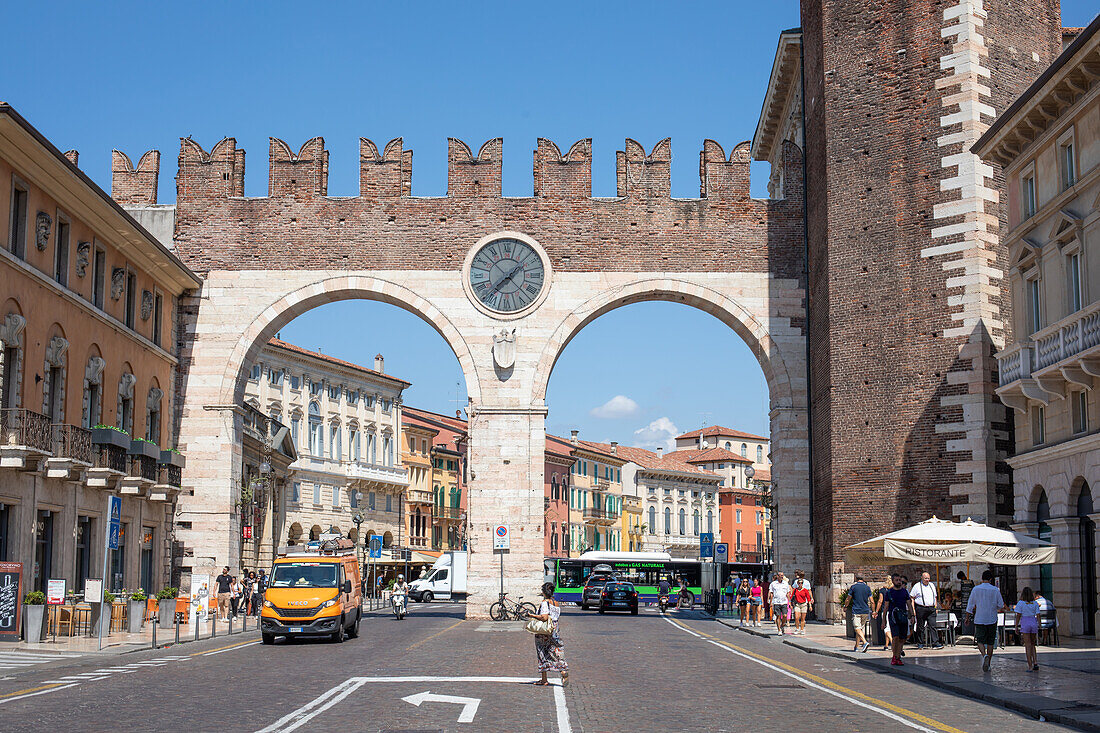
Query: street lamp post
358, 520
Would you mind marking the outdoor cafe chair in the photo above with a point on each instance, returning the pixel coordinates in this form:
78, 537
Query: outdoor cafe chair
1048, 626
945, 623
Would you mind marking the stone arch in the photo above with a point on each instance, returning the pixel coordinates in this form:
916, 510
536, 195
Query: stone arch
315, 532
724, 308
1037, 494
55, 374
281, 310
387, 539
12, 325
1077, 487
92, 392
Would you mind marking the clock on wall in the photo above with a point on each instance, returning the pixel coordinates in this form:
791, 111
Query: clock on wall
506, 274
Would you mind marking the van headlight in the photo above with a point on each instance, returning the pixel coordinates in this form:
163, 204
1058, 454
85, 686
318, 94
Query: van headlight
329, 603
269, 604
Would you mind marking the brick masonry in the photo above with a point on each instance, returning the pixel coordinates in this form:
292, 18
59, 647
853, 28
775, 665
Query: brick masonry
739, 258
903, 235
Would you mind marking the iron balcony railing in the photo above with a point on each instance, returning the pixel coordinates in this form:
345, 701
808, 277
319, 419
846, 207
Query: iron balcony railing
143, 467
446, 512
111, 457
171, 476
72, 442
25, 429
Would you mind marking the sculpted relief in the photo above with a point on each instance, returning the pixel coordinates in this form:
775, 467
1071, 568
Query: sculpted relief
118, 280
42, 224
82, 249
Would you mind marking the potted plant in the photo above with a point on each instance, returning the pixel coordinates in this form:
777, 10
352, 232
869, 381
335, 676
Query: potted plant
110, 435
166, 606
101, 614
849, 619
143, 447
172, 457
34, 617
135, 611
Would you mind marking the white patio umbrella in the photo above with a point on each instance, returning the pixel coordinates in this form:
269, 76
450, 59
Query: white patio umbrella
943, 542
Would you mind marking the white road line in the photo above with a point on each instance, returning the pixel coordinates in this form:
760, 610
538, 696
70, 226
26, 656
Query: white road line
562, 710
304, 714
40, 692
231, 649
810, 683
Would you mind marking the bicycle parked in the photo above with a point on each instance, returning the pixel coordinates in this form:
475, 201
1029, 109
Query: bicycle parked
506, 608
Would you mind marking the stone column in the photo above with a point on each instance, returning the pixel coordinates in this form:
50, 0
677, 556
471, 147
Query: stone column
1065, 532
1096, 564
1027, 575
506, 451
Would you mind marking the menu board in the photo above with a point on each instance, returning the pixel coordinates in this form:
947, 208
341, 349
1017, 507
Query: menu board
55, 591
11, 600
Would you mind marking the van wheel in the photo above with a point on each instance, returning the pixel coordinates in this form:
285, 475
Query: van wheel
338, 635
267, 638
353, 632
426, 597
584, 606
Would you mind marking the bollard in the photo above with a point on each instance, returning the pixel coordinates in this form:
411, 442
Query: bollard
155, 632
230, 632
244, 624
214, 626
196, 625
178, 628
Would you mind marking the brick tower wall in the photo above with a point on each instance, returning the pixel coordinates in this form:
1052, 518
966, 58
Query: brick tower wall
907, 301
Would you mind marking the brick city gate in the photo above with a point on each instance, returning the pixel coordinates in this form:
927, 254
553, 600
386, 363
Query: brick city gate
267, 260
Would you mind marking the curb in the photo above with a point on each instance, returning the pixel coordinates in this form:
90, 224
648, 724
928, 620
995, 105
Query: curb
1075, 714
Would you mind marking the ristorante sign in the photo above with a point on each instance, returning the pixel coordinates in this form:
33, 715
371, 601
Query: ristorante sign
968, 552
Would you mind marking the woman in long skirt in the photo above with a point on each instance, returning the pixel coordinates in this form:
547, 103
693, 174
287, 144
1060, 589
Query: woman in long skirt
549, 647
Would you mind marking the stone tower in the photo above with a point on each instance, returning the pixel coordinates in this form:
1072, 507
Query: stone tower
907, 296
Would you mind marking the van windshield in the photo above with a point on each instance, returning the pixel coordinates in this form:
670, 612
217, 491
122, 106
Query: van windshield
304, 575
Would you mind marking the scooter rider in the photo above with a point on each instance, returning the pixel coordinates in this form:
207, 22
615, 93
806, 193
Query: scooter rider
685, 594
665, 587
400, 592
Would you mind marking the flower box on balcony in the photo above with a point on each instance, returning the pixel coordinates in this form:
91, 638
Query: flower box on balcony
110, 436
140, 447
172, 458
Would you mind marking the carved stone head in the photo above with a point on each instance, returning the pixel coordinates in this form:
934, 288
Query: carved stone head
146, 305
82, 249
118, 280
42, 224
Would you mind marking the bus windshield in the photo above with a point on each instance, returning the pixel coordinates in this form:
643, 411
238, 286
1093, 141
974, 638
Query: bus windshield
304, 575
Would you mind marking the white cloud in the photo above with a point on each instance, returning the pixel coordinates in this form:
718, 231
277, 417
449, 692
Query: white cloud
661, 433
617, 407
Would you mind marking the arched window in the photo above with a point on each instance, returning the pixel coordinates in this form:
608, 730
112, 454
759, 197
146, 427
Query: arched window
653, 520
93, 392
124, 416
316, 435
11, 359
759, 454
668, 520
729, 445
152, 414
744, 450
710, 521
683, 521
53, 386
695, 522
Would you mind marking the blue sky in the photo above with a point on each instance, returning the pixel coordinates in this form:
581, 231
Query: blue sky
136, 76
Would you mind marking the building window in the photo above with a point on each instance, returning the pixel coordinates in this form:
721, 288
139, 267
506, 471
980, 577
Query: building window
17, 241
683, 521
84, 540
737, 546
1079, 407
710, 521
353, 444
93, 392
372, 449
760, 517
317, 494
1073, 265
158, 315
1067, 164
125, 417
695, 523
254, 373
336, 446
744, 450
99, 276
729, 445
368, 401
295, 383
738, 500
386, 405
353, 397
387, 450
131, 299
316, 438
371, 497
335, 497
275, 377
738, 516
653, 520
295, 423
1034, 304
1038, 427
315, 388
61, 253
389, 503
1027, 195
759, 454
152, 415
334, 393
668, 520
295, 492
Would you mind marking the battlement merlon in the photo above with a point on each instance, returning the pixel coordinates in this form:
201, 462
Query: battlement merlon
302, 175
134, 186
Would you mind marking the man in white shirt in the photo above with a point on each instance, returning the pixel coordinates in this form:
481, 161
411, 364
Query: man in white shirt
923, 594
779, 595
984, 605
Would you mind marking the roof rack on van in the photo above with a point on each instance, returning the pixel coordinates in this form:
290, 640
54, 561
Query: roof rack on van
336, 546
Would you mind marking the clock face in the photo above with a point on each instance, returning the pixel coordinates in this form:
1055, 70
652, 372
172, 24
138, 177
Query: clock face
507, 275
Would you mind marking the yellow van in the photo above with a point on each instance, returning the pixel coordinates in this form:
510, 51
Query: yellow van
313, 590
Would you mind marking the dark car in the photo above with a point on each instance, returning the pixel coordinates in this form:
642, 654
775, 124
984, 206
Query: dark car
593, 587
619, 596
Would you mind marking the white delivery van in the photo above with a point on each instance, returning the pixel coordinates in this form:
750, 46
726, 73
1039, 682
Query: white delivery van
446, 579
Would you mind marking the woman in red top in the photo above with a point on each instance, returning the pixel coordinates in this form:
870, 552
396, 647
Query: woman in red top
756, 601
803, 601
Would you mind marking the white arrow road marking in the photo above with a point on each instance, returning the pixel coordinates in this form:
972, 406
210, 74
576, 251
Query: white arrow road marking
469, 704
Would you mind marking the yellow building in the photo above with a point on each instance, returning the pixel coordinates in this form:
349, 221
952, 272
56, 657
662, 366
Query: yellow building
595, 496
416, 449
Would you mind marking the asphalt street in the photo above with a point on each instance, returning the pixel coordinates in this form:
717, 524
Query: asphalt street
437, 671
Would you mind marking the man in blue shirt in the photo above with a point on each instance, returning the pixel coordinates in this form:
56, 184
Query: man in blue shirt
858, 599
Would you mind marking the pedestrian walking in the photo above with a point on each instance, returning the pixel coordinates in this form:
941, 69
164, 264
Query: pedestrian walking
879, 615
249, 590
258, 593
983, 606
549, 648
756, 599
779, 595
744, 595
898, 608
925, 601
730, 593
234, 597
1027, 626
858, 596
223, 582
803, 601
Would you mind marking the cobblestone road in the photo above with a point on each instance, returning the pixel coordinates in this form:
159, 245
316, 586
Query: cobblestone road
629, 673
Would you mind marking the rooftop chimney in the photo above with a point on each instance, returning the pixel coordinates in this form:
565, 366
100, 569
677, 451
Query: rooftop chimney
614, 448
573, 436
379, 363
660, 451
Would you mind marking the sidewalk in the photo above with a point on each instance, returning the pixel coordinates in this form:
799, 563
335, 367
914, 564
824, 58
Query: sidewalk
1066, 689
121, 642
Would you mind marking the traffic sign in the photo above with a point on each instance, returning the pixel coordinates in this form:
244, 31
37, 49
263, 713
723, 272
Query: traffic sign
114, 521
502, 540
374, 546
706, 544
721, 552
246, 532
113, 531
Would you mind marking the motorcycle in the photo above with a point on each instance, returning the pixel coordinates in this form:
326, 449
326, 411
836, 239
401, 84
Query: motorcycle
399, 606
662, 602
